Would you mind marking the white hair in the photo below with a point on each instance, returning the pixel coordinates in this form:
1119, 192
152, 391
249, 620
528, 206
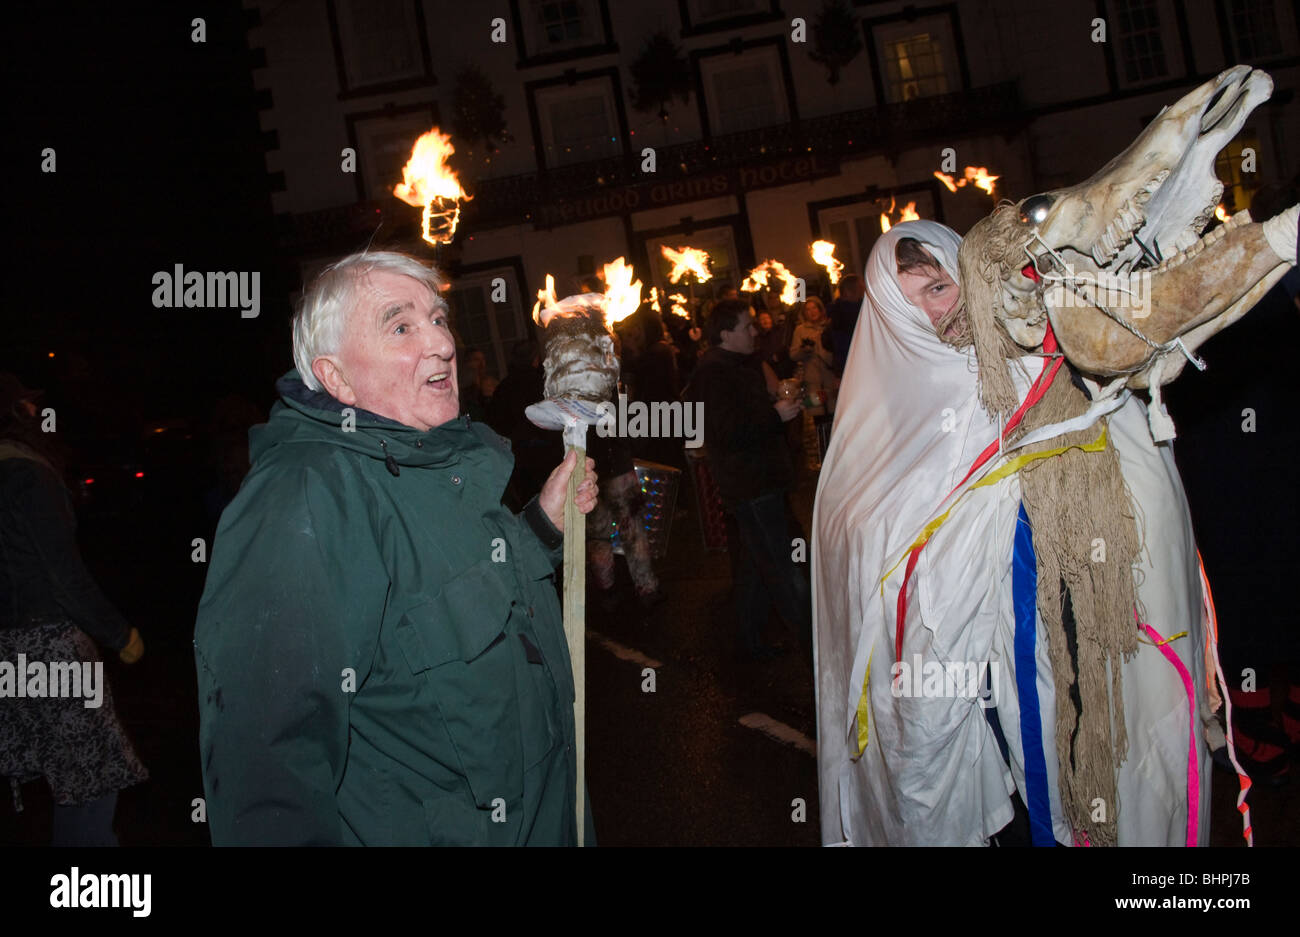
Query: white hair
322, 314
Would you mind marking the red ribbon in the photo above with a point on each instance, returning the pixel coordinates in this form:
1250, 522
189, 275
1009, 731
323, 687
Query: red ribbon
1036, 392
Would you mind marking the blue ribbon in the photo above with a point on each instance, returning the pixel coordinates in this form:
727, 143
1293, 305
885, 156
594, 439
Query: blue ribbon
1024, 589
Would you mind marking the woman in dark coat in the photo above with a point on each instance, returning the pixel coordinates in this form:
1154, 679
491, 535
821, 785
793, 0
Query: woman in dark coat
50, 609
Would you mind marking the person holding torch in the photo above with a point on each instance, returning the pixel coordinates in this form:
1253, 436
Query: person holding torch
379, 646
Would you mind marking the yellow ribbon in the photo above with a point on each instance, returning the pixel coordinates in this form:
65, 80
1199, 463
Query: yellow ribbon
862, 708
1009, 468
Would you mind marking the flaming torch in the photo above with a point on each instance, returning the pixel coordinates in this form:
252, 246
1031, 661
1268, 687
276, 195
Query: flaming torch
974, 175
581, 372
622, 294
908, 214
687, 260
758, 278
823, 252
428, 182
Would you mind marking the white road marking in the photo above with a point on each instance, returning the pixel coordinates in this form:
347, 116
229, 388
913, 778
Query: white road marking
624, 653
780, 731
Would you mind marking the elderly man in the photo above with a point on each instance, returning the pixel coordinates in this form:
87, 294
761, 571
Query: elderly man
379, 647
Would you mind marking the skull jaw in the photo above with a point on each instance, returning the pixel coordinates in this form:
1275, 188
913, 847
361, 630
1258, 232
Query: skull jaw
1193, 298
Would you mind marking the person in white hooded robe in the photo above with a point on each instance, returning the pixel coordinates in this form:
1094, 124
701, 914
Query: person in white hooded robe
899, 765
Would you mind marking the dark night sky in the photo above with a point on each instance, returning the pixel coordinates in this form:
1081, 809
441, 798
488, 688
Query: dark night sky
159, 162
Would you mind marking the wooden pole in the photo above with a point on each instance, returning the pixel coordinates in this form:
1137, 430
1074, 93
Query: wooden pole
575, 599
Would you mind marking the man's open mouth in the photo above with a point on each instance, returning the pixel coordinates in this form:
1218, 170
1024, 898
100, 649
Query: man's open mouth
441, 381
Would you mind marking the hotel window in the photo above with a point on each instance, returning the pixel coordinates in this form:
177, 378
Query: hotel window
854, 233
1138, 36
855, 228
380, 41
561, 24
915, 67
384, 144
744, 92
919, 59
1254, 28
480, 324
1238, 187
578, 123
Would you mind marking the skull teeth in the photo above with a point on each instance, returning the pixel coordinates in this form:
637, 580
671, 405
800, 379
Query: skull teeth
1218, 234
1127, 221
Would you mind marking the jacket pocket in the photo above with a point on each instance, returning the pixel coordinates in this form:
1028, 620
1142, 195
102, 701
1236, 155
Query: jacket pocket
455, 822
458, 642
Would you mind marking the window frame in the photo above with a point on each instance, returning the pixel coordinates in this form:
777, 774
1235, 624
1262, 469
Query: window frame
880, 27
695, 25
481, 274
704, 97
527, 37
422, 77
359, 124
571, 79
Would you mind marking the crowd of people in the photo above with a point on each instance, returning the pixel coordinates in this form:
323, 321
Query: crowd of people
767, 374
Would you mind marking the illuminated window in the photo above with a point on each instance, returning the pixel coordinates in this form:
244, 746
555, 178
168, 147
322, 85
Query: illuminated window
918, 58
1238, 187
1254, 28
1142, 50
915, 67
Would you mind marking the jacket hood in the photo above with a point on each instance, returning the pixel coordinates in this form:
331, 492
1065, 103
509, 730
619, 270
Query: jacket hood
303, 415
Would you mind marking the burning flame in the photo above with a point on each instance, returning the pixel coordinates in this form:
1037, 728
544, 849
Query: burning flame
978, 175
428, 182
545, 300
678, 305
622, 294
908, 214
1221, 213
687, 260
654, 298
823, 252
757, 280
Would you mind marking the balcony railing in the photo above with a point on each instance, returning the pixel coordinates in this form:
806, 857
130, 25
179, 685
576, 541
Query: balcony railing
833, 137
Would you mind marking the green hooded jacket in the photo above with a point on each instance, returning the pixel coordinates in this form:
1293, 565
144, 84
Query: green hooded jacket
380, 652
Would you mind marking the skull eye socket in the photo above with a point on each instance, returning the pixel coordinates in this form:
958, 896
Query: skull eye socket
1034, 209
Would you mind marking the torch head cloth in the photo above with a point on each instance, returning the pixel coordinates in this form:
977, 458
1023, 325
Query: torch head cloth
558, 412
579, 361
